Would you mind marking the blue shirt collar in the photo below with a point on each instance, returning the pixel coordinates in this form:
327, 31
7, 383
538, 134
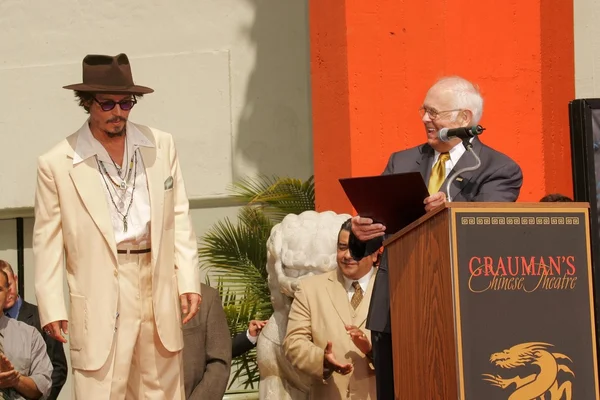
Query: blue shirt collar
13, 312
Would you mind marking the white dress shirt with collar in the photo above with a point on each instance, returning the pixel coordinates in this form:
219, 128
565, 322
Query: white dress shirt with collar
251, 339
138, 218
455, 154
363, 282
25, 349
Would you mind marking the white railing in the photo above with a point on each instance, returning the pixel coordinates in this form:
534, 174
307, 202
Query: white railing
241, 395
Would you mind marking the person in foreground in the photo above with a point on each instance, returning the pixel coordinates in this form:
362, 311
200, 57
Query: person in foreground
25, 368
16, 307
207, 350
450, 103
325, 335
111, 200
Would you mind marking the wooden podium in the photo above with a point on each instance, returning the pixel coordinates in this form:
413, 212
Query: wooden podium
494, 300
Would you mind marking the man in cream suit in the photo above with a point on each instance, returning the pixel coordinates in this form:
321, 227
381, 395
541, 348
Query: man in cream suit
326, 338
111, 203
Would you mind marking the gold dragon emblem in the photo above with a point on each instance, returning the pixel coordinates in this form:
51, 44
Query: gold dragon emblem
537, 385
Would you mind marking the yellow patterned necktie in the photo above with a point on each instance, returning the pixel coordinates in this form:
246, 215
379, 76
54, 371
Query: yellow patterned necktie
357, 296
438, 173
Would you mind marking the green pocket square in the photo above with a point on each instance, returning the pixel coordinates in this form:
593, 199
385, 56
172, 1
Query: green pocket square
169, 183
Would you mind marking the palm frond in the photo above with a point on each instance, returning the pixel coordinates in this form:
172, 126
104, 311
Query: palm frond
277, 196
239, 312
246, 370
236, 254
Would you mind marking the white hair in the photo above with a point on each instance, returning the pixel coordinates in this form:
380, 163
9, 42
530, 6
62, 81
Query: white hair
465, 94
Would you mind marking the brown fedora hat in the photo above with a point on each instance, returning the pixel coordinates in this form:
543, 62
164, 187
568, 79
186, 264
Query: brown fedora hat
108, 74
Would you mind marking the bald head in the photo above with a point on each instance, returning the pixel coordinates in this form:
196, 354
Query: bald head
3, 279
11, 279
463, 94
6, 267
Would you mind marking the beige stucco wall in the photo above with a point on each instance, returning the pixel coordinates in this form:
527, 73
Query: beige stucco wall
587, 48
231, 80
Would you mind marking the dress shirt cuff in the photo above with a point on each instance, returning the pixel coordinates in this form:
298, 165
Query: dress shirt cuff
43, 383
252, 339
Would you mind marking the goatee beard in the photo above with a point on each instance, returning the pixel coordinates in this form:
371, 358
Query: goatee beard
113, 135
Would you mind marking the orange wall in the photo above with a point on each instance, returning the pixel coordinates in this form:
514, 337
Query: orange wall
372, 63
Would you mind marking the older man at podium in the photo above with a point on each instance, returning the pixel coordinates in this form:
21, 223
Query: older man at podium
452, 102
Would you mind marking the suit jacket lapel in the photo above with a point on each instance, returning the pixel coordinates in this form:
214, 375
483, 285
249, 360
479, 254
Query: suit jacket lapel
463, 179
339, 296
25, 313
363, 307
155, 179
85, 177
424, 162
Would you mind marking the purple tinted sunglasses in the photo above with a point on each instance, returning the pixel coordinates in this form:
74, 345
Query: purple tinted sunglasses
107, 105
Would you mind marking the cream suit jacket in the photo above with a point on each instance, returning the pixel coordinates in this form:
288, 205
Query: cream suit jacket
72, 224
319, 313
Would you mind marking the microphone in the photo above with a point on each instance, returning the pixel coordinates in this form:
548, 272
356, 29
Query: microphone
464, 134
446, 134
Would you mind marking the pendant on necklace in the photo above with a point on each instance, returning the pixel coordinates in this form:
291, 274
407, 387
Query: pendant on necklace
125, 223
123, 185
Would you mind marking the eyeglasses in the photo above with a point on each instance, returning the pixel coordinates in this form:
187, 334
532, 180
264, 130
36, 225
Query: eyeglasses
125, 105
434, 114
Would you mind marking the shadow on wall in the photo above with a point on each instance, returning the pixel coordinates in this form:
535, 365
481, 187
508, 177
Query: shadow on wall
8, 239
274, 127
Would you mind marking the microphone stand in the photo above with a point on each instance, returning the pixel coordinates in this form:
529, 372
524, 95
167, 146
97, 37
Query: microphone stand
469, 146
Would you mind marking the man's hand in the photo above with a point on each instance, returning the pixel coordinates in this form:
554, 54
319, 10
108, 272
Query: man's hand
5, 364
359, 338
53, 329
343, 369
255, 327
434, 201
190, 304
364, 228
9, 377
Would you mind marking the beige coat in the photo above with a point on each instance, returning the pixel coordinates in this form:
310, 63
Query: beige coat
72, 220
319, 313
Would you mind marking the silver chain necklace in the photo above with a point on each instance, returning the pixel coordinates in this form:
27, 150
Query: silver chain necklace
103, 172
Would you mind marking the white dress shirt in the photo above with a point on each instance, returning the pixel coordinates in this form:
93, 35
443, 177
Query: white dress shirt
25, 349
363, 282
138, 218
455, 154
251, 339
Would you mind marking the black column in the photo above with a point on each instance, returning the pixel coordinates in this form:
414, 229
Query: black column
21, 257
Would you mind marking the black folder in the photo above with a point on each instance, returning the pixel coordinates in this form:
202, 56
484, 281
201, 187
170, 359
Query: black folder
395, 200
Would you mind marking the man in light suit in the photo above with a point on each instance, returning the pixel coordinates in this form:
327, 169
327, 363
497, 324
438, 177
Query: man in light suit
450, 103
111, 200
325, 335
